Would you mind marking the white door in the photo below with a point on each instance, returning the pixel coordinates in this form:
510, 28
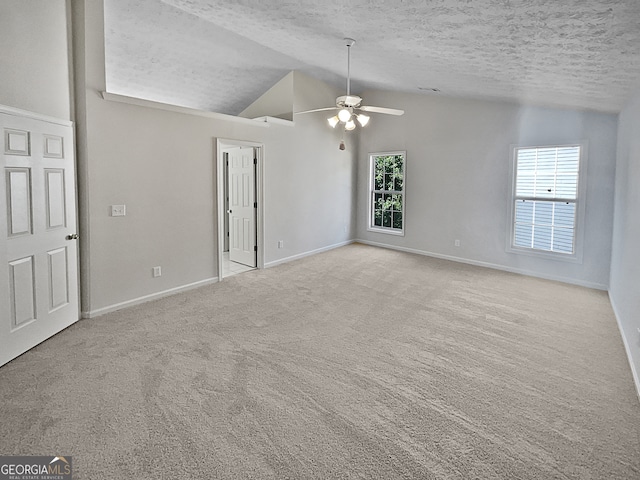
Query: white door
38, 240
242, 208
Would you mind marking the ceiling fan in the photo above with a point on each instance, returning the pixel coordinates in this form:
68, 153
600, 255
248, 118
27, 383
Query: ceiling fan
349, 105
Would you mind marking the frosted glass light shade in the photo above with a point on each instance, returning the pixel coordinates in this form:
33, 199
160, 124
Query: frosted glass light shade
363, 119
350, 125
333, 121
344, 115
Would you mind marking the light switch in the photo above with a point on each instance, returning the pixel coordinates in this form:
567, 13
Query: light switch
118, 210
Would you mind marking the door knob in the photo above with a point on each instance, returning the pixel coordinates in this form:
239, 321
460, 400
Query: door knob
73, 236
229, 211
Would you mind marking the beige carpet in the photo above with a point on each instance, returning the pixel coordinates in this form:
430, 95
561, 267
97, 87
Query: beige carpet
355, 363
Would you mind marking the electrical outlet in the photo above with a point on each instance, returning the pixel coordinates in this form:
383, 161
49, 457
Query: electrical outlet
456, 243
280, 243
157, 272
118, 210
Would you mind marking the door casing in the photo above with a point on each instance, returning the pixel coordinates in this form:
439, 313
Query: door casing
223, 145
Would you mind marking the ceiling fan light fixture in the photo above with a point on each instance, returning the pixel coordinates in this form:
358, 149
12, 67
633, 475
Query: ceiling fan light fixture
349, 106
363, 119
344, 115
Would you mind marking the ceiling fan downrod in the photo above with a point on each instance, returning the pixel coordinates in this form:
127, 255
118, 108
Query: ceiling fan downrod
350, 43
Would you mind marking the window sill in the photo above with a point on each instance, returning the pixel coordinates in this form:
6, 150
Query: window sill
530, 252
388, 231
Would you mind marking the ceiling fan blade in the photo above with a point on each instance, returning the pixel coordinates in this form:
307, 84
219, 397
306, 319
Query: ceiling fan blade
318, 110
388, 111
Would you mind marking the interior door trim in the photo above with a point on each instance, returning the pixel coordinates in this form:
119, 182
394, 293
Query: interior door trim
220, 145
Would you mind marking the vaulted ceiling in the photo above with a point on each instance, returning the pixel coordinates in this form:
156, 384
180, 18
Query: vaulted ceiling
222, 55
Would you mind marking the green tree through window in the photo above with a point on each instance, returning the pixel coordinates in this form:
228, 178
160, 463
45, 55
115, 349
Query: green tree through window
387, 191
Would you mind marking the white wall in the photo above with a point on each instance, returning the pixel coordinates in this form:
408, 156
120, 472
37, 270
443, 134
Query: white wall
310, 188
310, 157
458, 185
625, 260
161, 164
275, 102
34, 65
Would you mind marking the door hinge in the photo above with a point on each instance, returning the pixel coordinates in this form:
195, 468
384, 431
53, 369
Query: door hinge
255, 161
255, 204
255, 248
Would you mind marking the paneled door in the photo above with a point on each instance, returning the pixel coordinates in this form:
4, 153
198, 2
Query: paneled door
38, 240
242, 207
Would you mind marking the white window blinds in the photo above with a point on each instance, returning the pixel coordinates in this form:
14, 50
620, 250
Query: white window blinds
546, 193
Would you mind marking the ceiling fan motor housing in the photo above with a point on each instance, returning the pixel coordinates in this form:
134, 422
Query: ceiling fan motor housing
348, 101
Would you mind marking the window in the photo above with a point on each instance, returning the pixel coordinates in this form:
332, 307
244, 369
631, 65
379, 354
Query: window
386, 199
544, 216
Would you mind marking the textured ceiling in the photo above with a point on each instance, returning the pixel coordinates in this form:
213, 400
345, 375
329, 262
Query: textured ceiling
222, 55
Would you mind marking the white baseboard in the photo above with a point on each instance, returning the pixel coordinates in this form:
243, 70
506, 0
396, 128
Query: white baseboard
148, 298
307, 254
172, 291
634, 372
597, 286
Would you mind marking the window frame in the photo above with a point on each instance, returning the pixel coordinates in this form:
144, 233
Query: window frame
580, 203
370, 218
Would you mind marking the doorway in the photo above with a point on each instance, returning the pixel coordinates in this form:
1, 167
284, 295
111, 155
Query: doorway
240, 209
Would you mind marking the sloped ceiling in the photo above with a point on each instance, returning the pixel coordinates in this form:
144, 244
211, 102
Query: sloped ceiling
222, 55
